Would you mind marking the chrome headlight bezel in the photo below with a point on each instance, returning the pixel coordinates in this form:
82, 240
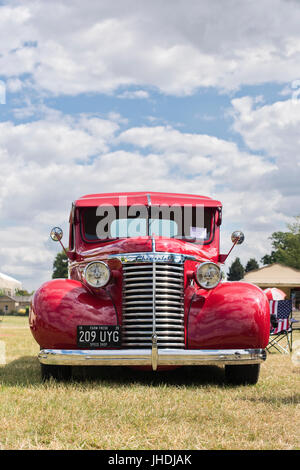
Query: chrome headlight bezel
201, 280
96, 285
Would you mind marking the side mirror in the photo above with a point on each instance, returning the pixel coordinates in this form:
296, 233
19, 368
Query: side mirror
237, 237
56, 234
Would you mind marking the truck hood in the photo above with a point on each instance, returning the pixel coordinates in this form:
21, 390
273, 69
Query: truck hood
149, 244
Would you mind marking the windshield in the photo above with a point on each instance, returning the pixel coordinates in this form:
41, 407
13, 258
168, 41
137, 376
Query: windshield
193, 224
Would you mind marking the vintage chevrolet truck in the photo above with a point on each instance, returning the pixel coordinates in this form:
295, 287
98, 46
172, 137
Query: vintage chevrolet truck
145, 290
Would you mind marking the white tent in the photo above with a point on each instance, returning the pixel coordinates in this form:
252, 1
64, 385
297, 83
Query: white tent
9, 285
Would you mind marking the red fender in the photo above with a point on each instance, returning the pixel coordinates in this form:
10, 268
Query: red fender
62, 304
233, 315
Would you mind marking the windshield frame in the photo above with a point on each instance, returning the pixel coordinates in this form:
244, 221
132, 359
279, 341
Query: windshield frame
98, 241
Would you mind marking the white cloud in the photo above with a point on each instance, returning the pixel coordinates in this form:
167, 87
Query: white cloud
59, 47
57, 138
198, 154
46, 164
70, 50
274, 129
14, 85
131, 95
24, 253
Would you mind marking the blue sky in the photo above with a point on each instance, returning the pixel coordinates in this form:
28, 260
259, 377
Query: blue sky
146, 96
205, 111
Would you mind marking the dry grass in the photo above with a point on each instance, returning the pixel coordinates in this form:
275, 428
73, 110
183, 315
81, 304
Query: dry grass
123, 409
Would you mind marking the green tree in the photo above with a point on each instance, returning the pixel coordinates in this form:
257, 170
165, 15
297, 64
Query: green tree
251, 265
236, 271
286, 247
60, 266
23, 292
269, 259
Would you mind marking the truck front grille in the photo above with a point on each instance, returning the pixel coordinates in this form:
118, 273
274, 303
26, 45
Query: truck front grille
149, 288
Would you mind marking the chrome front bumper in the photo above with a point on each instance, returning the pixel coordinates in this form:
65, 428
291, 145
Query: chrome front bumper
151, 358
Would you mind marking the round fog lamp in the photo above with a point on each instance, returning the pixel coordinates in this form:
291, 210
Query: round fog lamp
97, 274
208, 275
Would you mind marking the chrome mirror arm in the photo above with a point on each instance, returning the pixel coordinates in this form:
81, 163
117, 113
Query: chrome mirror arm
56, 235
237, 238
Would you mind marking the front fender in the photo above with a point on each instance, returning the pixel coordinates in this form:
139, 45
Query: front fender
60, 305
233, 315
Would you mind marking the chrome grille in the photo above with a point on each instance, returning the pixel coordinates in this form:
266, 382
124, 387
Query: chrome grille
148, 285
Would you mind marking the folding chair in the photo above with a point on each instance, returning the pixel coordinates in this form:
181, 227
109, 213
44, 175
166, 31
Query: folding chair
281, 329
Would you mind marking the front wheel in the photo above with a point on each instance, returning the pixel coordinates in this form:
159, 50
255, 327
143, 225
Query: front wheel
59, 373
242, 374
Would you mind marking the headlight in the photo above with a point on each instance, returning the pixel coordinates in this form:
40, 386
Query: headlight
208, 275
97, 274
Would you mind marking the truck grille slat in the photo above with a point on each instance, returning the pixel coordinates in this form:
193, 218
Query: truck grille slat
149, 316
138, 288
143, 322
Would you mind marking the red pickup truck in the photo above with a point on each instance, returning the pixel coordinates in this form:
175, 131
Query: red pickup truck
145, 290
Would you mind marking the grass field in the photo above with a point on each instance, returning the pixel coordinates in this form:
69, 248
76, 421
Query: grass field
112, 408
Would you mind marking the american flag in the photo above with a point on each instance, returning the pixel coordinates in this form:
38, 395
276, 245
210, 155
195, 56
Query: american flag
282, 310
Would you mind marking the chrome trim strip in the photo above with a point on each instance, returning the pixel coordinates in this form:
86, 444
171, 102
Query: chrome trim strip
152, 257
153, 244
161, 313
154, 335
146, 357
154, 352
148, 217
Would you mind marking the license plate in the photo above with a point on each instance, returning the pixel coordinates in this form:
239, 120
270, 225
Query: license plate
98, 336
